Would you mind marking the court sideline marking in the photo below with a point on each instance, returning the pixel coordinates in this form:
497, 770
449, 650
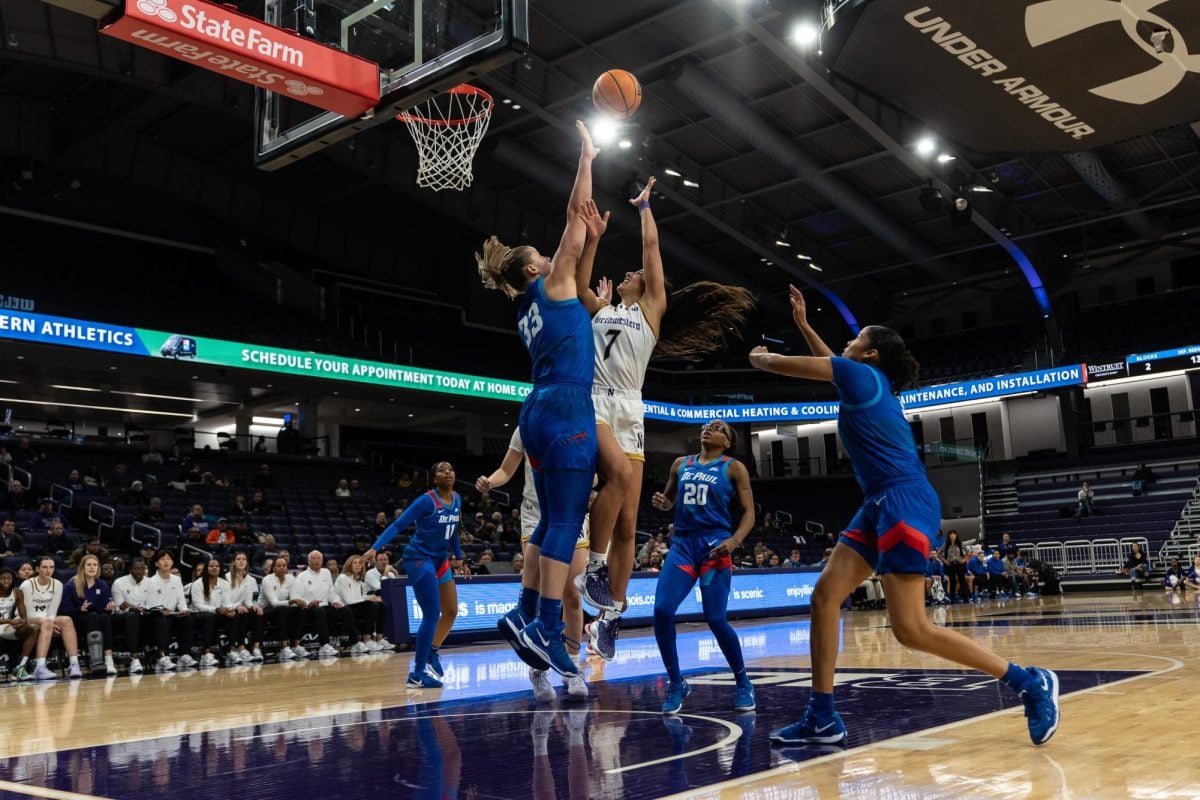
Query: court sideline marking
50, 794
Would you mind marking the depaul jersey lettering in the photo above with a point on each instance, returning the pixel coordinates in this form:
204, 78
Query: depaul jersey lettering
703, 495
436, 528
557, 334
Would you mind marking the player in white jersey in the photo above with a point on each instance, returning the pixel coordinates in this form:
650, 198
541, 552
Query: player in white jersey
626, 336
531, 514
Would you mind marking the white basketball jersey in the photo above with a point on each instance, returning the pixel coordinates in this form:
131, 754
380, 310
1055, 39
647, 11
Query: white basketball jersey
8, 605
529, 495
624, 342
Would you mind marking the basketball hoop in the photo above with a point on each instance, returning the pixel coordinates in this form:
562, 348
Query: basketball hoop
447, 130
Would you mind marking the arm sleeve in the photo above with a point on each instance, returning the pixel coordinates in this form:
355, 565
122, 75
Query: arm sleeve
336, 595
269, 593
422, 505
198, 601
118, 593
858, 384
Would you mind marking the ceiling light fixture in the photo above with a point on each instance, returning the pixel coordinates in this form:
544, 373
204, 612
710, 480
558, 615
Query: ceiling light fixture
163, 396
782, 243
624, 144
945, 158
73, 388
691, 184
805, 34
816, 267
803, 257
673, 173
95, 408
925, 146
604, 130
275, 421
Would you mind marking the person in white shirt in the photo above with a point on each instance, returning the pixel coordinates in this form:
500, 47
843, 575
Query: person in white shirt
166, 601
276, 600
376, 575
243, 589
210, 605
42, 595
129, 595
313, 594
353, 593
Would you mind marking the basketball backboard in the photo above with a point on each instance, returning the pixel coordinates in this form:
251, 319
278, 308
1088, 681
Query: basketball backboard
422, 47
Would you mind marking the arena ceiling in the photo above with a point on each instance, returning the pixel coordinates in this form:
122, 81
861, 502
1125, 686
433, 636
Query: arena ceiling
93, 129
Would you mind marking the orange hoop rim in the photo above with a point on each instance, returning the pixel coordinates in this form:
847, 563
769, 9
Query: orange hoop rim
462, 88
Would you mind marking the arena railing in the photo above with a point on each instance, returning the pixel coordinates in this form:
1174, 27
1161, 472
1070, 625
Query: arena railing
62, 496
141, 533
16, 473
104, 517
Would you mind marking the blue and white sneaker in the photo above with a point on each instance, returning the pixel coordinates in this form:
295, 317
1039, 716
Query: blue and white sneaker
423, 681
603, 635
594, 588
810, 730
510, 627
676, 693
1041, 705
743, 696
433, 667
551, 649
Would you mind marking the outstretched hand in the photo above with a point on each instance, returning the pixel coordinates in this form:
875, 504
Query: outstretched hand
644, 197
759, 357
604, 290
587, 149
799, 306
596, 224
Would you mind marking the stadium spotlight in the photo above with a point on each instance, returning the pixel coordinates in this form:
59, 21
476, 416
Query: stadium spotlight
960, 212
925, 146
805, 34
604, 130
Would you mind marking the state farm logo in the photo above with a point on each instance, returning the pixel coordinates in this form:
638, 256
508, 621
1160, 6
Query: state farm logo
302, 89
1052, 20
157, 8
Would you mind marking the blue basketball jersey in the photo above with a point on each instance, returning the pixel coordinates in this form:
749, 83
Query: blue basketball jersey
872, 427
558, 336
702, 498
436, 528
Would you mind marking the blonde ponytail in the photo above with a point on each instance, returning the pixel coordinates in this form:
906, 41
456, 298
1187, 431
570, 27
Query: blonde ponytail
500, 267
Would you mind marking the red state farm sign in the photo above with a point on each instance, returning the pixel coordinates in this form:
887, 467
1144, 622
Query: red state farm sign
247, 49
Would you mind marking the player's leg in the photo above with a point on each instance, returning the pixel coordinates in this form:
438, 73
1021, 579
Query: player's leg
422, 577
526, 610
616, 473
622, 550
716, 580
448, 603
676, 579
573, 602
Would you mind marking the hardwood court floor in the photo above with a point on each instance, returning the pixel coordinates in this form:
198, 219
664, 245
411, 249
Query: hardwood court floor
920, 728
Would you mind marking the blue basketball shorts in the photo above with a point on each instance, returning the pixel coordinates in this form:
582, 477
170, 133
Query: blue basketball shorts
896, 528
415, 567
693, 554
558, 427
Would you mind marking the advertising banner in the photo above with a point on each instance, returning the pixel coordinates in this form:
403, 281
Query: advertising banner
1165, 360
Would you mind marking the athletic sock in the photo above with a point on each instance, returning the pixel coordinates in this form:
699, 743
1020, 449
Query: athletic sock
540, 744
821, 704
74, 661
528, 603
24, 660
608, 614
596, 560
550, 615
109, 663
740, 675
1017, 679
38, 663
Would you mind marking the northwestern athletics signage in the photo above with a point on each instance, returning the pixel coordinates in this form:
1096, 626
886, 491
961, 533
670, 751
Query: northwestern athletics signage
218, 38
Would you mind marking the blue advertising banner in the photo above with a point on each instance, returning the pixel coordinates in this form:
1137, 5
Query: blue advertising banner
483, 600
45, 329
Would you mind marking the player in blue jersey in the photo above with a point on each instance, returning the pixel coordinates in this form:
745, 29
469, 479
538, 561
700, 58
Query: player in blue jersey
892, 533
705, 538
436, 515
558, 422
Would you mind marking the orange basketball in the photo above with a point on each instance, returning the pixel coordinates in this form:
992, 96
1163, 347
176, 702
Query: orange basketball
617, 94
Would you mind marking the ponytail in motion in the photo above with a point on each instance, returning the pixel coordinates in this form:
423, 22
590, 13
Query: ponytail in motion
502, 267
894, 359
701, 319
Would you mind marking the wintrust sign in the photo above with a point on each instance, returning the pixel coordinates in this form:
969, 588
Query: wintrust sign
220, 39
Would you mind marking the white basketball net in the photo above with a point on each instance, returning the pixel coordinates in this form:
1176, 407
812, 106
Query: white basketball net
447, 130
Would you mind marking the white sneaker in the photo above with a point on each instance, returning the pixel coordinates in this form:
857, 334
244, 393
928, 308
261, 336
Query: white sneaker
233, 658
299, 652
385, 645
209, 660
75, 673
543, 692
110, 670
256, 655
328, 651
165, 664
42, 673
373, 646
186, 661
286, 654
359, 649
577, 686
135, 667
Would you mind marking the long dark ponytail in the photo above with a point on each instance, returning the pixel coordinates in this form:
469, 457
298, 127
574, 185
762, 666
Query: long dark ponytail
701, 319
894, 359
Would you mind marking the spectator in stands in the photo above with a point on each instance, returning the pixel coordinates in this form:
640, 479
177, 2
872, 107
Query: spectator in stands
509, 533
287, 441
1173, 581
46, 515
57, 541
312, 594
935, 579
238, 507
1006, 547
88, 601
170, 614
998, 584
378, 526
1137, 567
193, 476
1142, 476
768, 522
153, 513
404, 481
1086, 498
954, 561
331, 564
94, 481
221, 539
260, 446
119, 483
354, 488
774, 561
360, 546
11, 543
259, 504
210, 605
381, 571
1191, 580
5, 456
1016, 577
135, 495
196, 519
656, 562
91, 547
25, 571
760, 548
485, 560
42, 595
146, 553
873, 591
248, 615
264, 479
129, 597
343, 488
15, 499
112, 570
24, 454
518, 563
352, 593
760, 560
793, 560
1030, 574
193, 538
267, 549
825, 558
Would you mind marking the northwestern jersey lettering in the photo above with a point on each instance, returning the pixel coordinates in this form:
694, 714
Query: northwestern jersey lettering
703, 495
436, 528
624, 342
555, 333
872, 427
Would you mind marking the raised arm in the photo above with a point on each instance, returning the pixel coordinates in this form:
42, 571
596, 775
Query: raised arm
560, 283
665, 499
810, 367
422, 505
654, 300
582, 190
596, 225
800, 317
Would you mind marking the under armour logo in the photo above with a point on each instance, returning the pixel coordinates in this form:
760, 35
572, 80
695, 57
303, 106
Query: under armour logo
1054, 19
302, 89
157, 8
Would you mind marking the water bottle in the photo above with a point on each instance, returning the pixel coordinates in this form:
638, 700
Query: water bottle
96, 649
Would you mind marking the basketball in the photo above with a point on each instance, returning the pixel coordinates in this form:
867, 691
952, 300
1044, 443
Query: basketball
617, 94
